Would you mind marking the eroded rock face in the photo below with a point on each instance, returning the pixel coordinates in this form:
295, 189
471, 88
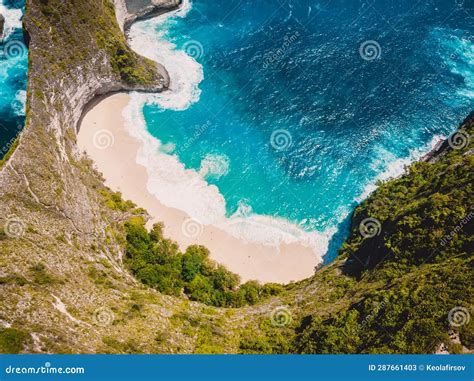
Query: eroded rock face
47, 189
133, 10
59, 240
62, 283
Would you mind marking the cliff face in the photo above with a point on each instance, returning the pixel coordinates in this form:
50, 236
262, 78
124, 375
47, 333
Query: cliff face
65, 74
52, 213
129, 11
63, 285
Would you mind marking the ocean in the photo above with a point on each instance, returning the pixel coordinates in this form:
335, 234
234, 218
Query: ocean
13, 74
282, 116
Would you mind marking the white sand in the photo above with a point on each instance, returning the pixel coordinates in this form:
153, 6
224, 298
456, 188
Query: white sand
118, 165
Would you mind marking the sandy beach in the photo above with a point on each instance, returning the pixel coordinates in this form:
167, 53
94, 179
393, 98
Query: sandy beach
116, 160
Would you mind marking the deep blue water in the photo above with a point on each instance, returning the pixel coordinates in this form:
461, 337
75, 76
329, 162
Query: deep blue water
303, 105
298, 71
13, 74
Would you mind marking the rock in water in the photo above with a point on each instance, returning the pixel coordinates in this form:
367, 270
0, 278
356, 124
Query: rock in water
2, 23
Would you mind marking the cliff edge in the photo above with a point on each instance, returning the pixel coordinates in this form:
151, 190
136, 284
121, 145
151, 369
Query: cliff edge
64, 288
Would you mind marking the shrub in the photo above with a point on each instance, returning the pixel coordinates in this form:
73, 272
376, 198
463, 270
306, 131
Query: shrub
158, 263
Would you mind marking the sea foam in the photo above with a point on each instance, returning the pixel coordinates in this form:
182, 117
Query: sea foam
390, 167
12, 20
168, 179
149, 38
187, 190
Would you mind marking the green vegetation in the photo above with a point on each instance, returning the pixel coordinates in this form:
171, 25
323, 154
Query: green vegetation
391, 293
95, 30
125, 62
12, 340
41, 275
13, 279
115, 201
157, 262
422, 261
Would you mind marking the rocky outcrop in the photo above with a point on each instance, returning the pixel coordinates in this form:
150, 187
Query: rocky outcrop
129, 11
56, 100
2, 24
456, 139
63, 288
52, 213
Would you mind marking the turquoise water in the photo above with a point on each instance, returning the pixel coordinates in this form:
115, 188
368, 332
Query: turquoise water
13, 74
294, 109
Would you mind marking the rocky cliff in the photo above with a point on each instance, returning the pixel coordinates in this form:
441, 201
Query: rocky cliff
129, 11
64, 288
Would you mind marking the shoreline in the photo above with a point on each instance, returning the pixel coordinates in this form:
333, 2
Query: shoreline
116, 160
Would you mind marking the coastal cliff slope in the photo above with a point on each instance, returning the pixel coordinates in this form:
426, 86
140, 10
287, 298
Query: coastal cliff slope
64, 288
129, 11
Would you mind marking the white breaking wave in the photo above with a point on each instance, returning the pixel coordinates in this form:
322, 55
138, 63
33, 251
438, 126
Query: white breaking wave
168, 179
465, 69
12, 19
215, 166
393, 168
274, 231
19, 103
186, 189
149, 39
